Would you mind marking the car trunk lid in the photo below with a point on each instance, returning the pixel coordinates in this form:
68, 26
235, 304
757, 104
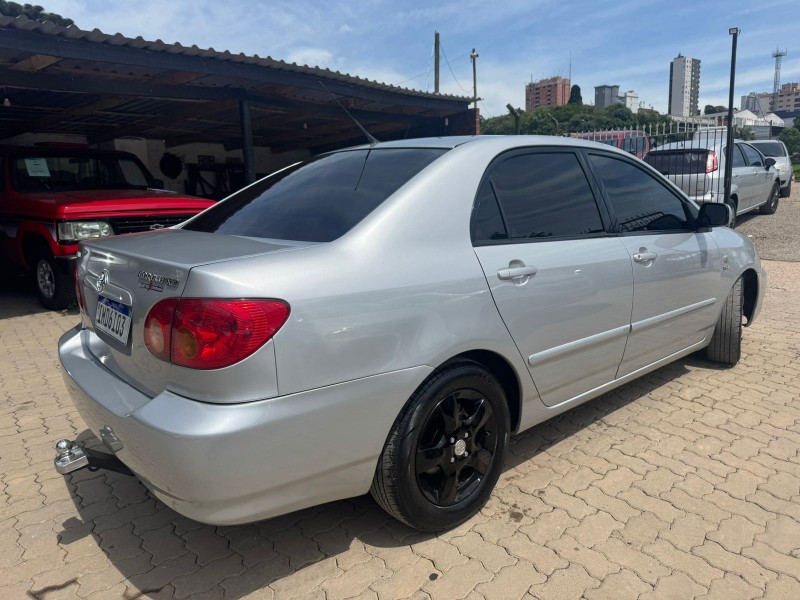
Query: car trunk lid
122, 278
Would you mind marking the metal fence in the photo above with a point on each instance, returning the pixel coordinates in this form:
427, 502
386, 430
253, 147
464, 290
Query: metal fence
694, 158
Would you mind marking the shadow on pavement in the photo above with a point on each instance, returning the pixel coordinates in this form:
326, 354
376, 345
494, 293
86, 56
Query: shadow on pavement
163, 553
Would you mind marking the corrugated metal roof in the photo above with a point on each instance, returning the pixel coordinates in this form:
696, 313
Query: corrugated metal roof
98, 37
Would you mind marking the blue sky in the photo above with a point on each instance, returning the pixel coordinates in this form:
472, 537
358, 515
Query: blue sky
625, 42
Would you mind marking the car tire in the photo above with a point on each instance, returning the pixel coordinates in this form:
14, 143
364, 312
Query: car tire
772, 203
53, 287
445, 450
726, 342
732, 203
787, 191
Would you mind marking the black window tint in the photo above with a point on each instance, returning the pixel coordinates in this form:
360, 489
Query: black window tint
752, 157
640, 202
773, 149
317, 201
546, 195
487, 223
738, 157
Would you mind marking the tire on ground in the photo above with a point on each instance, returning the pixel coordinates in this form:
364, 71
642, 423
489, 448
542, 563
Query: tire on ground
396, 486
54, 288
772, 202
726, 343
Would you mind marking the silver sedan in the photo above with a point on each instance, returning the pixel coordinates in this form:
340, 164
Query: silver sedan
382, 318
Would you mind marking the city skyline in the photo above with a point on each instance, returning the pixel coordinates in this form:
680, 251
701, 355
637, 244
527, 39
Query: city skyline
625, 43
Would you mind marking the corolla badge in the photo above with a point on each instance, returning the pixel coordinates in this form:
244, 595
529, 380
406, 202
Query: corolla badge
154, 282
101, 282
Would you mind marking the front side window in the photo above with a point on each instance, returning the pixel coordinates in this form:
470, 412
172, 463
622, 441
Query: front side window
752, 156
545, 196
317, 201
640, 201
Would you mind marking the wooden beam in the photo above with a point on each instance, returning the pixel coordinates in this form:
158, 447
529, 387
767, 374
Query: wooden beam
42, 124
179, 114
176, 78
35, 62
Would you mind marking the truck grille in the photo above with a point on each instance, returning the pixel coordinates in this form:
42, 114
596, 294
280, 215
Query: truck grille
137, 224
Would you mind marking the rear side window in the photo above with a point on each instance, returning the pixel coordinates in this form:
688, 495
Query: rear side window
487, 223
545, 196
678, 162
738, 157
317, 201
640, 201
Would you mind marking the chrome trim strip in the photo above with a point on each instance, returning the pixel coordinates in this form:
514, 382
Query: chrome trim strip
658, 319
569, 347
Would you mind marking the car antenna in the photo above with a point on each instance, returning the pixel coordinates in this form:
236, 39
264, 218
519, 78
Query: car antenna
371, 138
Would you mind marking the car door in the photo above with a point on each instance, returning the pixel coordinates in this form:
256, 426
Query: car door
742, 178
761, 176
562, 284
677, 272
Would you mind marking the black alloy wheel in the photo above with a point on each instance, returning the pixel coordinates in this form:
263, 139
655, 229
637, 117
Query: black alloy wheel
444, 452
456, 447
772, 204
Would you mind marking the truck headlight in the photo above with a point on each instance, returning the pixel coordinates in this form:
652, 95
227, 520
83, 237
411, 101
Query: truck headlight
83, 230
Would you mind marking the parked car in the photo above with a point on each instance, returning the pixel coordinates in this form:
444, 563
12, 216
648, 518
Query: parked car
51, 198
381, 318
783, 164
632, 141
698, 167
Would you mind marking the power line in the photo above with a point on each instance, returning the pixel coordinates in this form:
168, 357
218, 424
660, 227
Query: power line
451, 68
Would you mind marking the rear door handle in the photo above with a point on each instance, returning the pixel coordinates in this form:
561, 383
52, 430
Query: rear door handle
644, 257
514, 272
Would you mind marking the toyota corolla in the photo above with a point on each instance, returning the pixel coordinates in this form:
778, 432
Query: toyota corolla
383, 317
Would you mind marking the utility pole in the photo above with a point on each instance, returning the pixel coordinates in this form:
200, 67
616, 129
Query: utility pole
734, 31
474, 58
435, 62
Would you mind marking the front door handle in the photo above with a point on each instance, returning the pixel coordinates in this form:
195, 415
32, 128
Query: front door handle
515, 272
644, 257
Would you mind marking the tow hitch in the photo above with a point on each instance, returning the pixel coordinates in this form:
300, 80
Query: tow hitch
71, 456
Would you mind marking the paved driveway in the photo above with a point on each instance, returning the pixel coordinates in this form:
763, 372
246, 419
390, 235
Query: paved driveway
683, 484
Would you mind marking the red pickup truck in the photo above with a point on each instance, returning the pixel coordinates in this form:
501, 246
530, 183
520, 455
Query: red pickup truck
52, 198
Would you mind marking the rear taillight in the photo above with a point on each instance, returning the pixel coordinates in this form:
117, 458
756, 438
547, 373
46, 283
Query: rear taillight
712, 164
211, 333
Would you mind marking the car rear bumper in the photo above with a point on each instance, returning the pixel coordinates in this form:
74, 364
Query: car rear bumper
236, 463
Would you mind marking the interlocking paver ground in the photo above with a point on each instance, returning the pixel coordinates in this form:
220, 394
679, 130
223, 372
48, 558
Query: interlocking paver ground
683, 484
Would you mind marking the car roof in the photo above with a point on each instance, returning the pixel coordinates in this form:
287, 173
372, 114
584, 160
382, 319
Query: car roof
496, 142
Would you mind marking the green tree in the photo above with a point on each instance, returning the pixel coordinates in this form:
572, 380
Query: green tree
710, 109
791, 137
33, 12
575, 95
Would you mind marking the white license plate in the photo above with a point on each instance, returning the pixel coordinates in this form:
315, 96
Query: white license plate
113, 318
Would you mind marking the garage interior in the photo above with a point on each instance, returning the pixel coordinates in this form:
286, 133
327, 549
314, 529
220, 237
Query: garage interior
206, 122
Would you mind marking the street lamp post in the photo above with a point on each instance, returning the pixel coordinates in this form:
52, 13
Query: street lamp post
734, 31
554, 121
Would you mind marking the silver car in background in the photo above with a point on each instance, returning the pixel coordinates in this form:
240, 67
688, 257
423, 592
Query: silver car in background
382, 318
698, 167
776, 150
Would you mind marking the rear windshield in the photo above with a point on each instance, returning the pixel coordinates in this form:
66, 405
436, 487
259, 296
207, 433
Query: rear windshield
678, 162
317, 201
53, 173
773, 149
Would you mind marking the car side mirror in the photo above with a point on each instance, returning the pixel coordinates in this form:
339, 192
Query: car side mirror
714, 214
769, 162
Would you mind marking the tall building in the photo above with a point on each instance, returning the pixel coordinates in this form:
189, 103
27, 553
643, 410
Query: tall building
547, 92
788, 100
605, 95
684, 86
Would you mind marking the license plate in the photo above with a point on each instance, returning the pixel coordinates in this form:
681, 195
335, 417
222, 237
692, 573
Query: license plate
113, 318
